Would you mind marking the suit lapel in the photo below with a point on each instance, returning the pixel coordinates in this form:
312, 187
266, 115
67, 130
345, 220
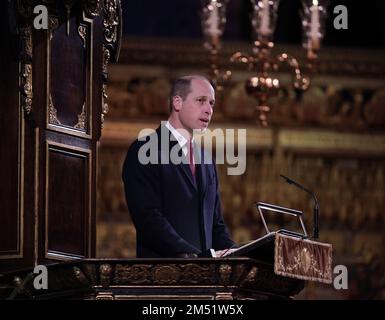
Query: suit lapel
184, 168
186, 171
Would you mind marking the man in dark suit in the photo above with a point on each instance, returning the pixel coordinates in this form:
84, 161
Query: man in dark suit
176, 206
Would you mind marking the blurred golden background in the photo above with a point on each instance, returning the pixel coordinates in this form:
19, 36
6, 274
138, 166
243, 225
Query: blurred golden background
330, 138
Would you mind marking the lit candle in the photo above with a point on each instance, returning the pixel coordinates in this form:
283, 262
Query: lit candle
213, 20
264, 28
314, 23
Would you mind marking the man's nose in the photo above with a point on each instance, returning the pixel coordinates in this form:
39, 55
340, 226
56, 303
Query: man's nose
208, 109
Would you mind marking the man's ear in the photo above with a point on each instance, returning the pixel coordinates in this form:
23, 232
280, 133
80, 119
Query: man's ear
177, 103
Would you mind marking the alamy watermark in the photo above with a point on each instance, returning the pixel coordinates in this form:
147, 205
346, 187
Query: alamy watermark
41, 19
341, 20
229, 146
340, 280
41, 279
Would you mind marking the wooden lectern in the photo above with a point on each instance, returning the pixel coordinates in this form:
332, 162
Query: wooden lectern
281, 272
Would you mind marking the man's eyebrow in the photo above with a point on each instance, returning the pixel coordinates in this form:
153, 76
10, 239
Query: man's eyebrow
205, 97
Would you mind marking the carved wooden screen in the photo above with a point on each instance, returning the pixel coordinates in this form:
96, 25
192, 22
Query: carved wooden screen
54, 91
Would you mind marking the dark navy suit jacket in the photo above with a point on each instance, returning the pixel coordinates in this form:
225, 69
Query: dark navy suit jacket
173, 211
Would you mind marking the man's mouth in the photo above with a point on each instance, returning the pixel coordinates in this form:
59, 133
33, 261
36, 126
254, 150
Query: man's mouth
205, 120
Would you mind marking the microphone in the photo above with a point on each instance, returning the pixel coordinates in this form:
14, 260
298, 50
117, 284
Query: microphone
316, 204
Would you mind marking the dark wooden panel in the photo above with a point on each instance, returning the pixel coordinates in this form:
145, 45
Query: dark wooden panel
68, 73
47, 198
67, 201
10, 123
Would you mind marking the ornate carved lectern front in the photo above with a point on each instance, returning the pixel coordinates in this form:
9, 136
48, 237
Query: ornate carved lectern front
277, 270
213, 279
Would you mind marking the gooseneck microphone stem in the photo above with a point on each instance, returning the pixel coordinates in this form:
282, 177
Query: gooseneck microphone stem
316, 205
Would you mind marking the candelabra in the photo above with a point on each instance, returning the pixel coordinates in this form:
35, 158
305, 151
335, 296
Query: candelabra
213, 24
263, 85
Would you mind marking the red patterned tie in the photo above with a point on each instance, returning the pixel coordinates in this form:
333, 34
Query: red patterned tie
191, 158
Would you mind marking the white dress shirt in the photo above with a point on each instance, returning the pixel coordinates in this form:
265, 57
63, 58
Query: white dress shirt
182, 141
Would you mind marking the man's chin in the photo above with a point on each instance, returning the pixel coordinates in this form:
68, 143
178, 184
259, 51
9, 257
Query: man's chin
200, 130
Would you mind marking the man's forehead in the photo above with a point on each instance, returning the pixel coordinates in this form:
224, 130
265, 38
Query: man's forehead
202, 85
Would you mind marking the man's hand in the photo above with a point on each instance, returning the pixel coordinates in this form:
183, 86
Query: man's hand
225, 252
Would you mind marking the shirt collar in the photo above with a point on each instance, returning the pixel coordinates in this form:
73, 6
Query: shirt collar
182, 141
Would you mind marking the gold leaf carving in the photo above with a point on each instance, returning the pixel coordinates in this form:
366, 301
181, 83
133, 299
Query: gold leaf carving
52, 113
105, 273
135, 274
166, 274
92, 7
225, 273
82, 30
81, 119
26, 69
111, 20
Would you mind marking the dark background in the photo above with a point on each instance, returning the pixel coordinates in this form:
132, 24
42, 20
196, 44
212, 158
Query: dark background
181, 19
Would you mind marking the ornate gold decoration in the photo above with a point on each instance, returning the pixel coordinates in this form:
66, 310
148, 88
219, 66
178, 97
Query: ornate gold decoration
111, 20
26, 69
306, 259
135, 274
193, 273
262, 86
166, 274
52, 113
225, 273
213, 30
17, 281
105, 274
27, 87
104, 103
250, 276
80, 275
333, 61
106, 59
92, 7
77, 272
82, 30
111, 23
302, 259
81, 119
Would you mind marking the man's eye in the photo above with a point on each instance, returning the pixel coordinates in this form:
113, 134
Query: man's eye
201, 101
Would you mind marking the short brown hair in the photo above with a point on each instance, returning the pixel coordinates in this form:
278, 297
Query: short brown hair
182, 87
